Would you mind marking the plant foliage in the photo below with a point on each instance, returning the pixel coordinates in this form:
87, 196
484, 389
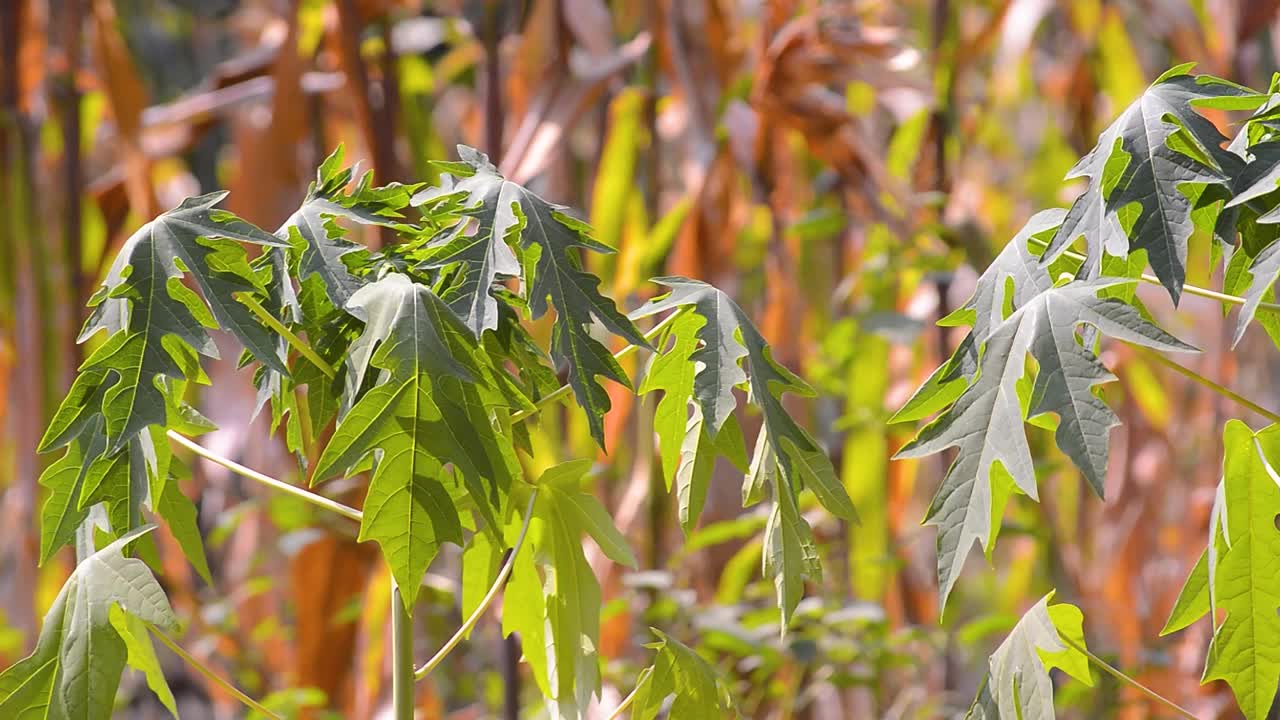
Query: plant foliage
418, 370
421, 365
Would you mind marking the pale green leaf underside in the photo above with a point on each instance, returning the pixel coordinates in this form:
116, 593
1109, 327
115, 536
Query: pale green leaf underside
75, 668
986, 422
1018, 686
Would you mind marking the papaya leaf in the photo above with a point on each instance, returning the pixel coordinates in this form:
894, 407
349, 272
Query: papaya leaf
317, 242
688, 448
427, 411
1167, 145
678, 672
787, 459
558, 610
1244, 647
1018, 683
80, 655
986, 422
549, 241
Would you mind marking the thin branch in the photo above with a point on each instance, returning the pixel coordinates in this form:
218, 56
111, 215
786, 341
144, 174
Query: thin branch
296, 342
274, 483
1188, 289
566, 389
320, 500
212, 676
1206, 382
1117, 674
626, 703
499, 583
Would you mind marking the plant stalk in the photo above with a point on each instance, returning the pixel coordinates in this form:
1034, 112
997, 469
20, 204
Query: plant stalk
209, 674
626, 703
235, 467
1222, 390
566, 389
1117, 674
1188, 289
292, 338
401, 655
498, 584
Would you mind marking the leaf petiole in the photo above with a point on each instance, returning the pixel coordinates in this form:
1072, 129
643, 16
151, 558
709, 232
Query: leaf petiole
1119, 675
292, 338
274, 483
626, 703
1188, 289
498, 583
1206, 382
564, 390
212, 676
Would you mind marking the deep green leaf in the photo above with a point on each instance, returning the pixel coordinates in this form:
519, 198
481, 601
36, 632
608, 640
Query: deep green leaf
427, 411
1167, 145
549, 241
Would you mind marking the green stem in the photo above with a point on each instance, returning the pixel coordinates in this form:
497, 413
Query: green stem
401, 656
212, 676
1117, 674
1188, 289
498, 584
622, 706
566, 389
235, 467
1206, 382
298, 343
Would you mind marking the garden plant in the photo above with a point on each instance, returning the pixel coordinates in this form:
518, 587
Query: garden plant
411, 368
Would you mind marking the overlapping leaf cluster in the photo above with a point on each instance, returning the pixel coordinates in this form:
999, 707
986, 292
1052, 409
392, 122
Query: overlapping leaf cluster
1160, 171
714, 350
131, 387
416, 367
1018, 312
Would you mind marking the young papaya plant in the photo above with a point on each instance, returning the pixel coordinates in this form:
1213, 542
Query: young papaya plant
1161, 172
415, 366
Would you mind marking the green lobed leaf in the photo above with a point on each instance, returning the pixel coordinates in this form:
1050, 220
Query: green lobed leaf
549, 241
986, 422
317, 243
553, 598
558, 607
157, 325
678, 672
431, 408
79, 656
786, 459
1245, 651
1017, 684
1156, 146
688, 448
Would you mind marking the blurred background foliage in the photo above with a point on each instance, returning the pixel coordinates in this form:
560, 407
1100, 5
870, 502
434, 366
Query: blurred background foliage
842, 168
